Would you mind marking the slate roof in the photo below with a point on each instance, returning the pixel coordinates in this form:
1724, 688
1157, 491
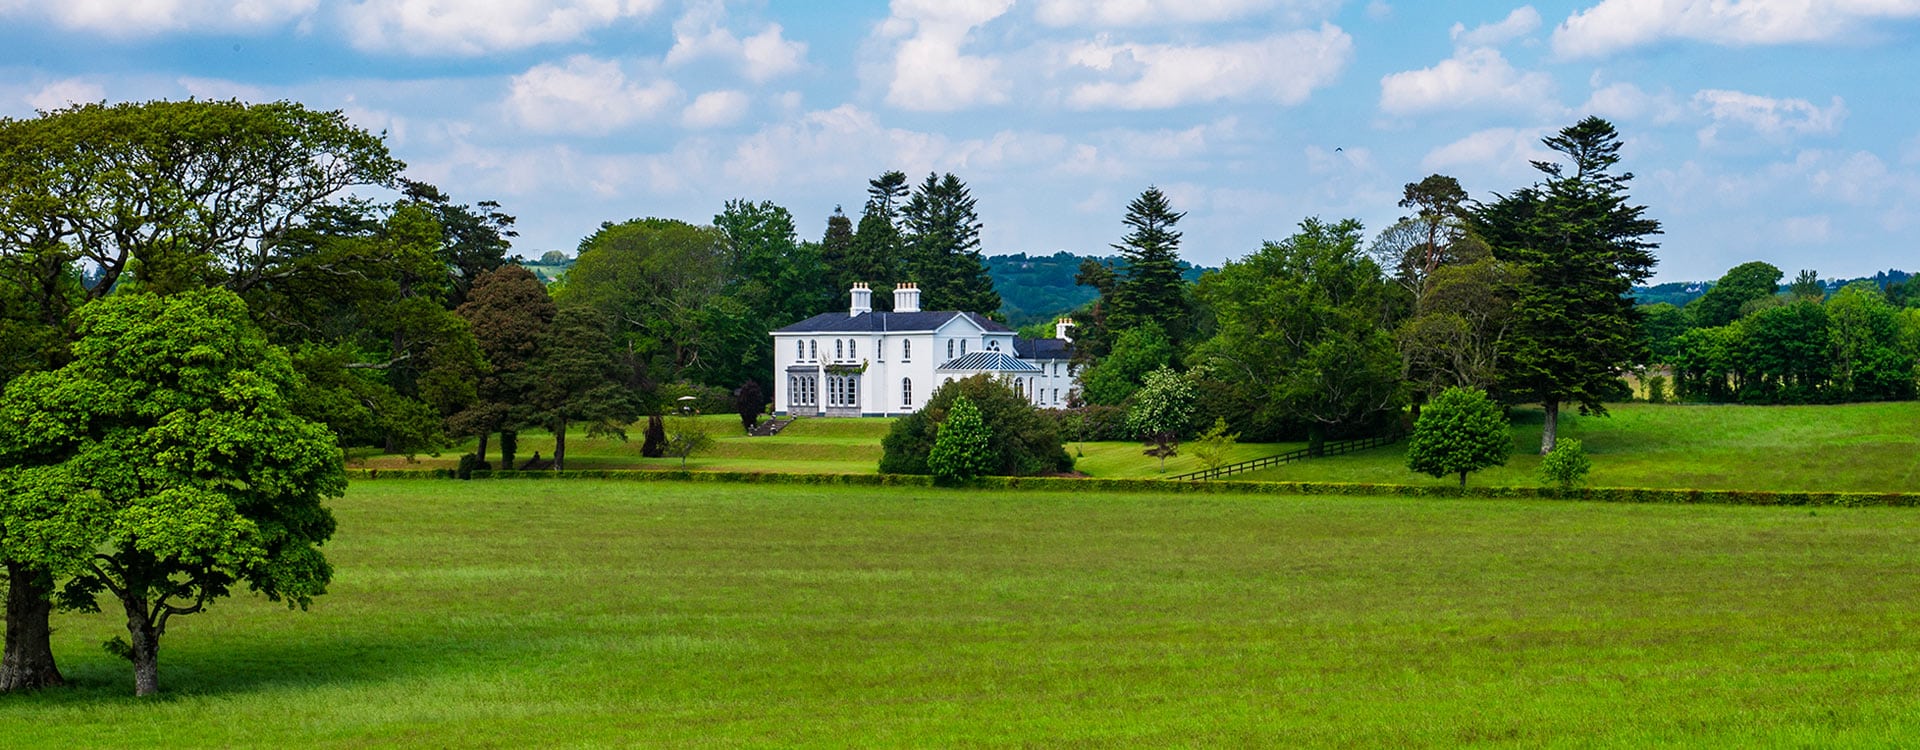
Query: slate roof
989, 362
1038, 349
886, 322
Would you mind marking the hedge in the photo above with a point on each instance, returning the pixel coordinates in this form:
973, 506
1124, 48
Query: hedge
1071, 484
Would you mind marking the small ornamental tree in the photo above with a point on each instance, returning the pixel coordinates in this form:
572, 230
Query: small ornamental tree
749, 401
1459, 431
1161, 412
1566, 465
173, 432
1214, 445
961, 448
686, 436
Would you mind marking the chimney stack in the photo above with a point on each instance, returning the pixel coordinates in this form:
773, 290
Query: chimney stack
906, 297
862, 299
1063, 329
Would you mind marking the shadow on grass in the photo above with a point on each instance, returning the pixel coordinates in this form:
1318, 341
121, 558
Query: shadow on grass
243, 665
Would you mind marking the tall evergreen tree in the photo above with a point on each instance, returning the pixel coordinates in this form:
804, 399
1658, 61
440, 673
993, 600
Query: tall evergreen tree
876, 254
837, 250
1150, 289
943, 241
1583, 247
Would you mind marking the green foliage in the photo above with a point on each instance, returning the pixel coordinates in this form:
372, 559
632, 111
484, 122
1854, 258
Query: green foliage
1583, 247
1660, 324
660, 285
1806, 285
1303, 331
1459, 431
1461, 321
687, 436
1161, 412
1215, 445
1150, 290
578, 378
1656, 389
1023, 440
942, 237
1565, 466
1741, 285
960, 448
170, 451
1137, 352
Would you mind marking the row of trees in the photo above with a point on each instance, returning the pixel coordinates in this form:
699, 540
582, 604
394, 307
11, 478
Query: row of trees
1524, 296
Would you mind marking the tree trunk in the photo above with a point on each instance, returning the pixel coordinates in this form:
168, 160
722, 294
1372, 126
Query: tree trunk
1550, 429
1316, 439
482, 450
146, 646
1463, 479
560, 445
28, 662
509, 445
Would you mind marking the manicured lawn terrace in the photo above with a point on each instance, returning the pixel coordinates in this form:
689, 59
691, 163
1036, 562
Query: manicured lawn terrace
1849, 447
595, 613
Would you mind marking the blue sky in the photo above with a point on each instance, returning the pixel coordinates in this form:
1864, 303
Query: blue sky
1776, 130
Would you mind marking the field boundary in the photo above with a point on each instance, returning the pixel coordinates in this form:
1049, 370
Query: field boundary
1646, 495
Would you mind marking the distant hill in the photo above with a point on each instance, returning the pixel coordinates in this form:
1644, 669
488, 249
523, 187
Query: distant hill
1679, 293
1035, 288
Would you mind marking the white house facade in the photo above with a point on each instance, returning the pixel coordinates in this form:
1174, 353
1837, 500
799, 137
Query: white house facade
863, 363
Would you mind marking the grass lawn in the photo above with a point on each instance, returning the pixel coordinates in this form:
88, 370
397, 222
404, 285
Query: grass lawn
580, 613
1849, 447
1842, 448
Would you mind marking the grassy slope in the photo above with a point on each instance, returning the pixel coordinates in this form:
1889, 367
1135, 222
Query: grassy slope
1849, 447
589, 613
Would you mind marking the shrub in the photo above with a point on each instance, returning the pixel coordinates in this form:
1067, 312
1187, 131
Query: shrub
1656, 389
1023, 441
1566, 465
1459, 431
1214, 445
470, 463
686, 435
961, 449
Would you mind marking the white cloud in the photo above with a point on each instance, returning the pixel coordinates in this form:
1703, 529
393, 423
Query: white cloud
218, 89
1770, 117
761, 57
1503, 149
1112, 13
1807, 229
587, 96
929, 72
1379, 10
715, 109
1625, 101
129, 18
1472, 78
1616, 25
1286, 68
458, 27
1521, 22
60, 94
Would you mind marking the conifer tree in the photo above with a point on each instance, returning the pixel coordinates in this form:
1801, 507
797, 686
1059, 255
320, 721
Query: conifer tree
1150, 289
943, 241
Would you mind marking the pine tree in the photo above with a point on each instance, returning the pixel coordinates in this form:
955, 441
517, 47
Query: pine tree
837, 248
875, 253
1583, 247
1150, 289
943, 241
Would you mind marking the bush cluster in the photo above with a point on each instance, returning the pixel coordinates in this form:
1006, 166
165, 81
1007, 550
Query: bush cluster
1024, 442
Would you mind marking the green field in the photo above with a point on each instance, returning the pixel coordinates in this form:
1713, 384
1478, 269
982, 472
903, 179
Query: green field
586, 613
1849, 447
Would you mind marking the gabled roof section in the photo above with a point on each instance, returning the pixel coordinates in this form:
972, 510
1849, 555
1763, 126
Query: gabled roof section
988, 362
1038, 349
889, 322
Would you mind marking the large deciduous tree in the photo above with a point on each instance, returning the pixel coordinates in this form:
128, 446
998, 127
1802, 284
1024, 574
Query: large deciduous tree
661, 285
1583, 246
171, 434
1304, 331
164, 196
511, 317
1725, 301
580, 378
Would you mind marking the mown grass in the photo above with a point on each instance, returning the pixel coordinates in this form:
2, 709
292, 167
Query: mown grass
1839, 448
1848, 447
582, 613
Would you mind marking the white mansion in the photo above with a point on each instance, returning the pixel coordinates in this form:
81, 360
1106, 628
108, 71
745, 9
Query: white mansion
863, 363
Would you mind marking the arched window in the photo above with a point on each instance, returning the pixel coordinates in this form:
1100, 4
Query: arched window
906, 392
799, 349
949, 348
815, 347
906, 350
836, 349
851, 354
963, 347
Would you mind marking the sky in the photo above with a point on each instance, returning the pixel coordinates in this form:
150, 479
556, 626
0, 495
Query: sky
1774, 130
